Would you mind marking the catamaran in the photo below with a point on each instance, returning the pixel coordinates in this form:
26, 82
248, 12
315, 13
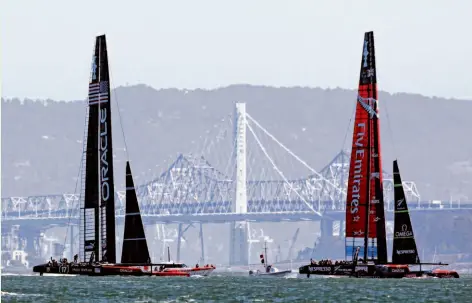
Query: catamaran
97, 212
365, 238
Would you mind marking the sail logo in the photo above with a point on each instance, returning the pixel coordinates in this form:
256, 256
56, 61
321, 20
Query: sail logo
400, 202
365, 53
361, 268
368, 107
357, 176
94, 68
405, 233
89, 245
313, 268
105, 187
405, 251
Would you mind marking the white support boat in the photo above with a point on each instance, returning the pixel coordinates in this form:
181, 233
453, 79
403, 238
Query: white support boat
269, 270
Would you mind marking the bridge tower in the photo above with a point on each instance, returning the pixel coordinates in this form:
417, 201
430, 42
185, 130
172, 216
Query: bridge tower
239, 230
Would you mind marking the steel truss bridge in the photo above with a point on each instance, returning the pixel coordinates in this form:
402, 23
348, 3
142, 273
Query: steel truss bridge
193, 190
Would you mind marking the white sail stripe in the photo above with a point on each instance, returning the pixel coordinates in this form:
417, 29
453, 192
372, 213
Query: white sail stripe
130, 188
96, 102
133, 214
98, 95
134, 239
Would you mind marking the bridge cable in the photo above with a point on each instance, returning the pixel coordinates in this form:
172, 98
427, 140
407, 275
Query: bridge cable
278, 171
295, 156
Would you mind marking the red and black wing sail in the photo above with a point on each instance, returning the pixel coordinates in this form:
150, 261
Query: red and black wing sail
365, 178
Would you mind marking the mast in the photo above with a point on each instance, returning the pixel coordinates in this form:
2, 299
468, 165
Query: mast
265, 253
368, 190
365, 219
98, 211
377, 212
404, 244
135, 248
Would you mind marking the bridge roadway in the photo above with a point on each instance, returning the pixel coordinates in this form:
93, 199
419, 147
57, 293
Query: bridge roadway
170, 216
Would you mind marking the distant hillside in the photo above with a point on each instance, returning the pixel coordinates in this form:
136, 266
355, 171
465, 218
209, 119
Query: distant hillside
41, 141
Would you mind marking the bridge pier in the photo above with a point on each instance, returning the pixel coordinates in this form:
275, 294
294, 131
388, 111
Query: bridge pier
179, 241
238, 251
326, 228
202, 245
31, 237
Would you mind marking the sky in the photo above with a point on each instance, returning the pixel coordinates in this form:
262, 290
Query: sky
422, 46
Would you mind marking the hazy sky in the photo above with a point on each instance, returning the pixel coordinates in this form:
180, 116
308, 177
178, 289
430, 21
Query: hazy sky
422, 46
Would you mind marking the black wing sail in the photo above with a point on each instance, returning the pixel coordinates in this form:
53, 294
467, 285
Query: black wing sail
135, 249
98, 211
107, 185
404, 244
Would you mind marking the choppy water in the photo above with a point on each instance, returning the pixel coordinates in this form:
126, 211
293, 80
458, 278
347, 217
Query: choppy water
221, 288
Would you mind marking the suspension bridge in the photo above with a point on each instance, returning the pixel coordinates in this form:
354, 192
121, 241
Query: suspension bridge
248, 185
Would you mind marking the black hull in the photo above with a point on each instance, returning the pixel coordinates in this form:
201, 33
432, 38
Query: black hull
105, 270
369, 271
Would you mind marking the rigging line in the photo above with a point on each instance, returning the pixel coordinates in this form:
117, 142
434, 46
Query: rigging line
295, 156
279, 172
115, 97
70, 212
349, 125
84, 146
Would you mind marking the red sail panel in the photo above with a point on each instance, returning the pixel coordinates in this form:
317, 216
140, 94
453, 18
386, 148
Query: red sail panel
357, 188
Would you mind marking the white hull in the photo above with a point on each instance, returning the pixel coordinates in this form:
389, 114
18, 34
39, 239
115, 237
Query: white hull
283, 273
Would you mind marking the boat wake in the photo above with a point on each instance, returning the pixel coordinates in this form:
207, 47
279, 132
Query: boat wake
14, 274
14, 294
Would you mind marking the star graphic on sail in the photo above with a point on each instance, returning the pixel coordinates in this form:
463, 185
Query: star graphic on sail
356, 219
376, 219
375, 175
358, 233
370, 72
